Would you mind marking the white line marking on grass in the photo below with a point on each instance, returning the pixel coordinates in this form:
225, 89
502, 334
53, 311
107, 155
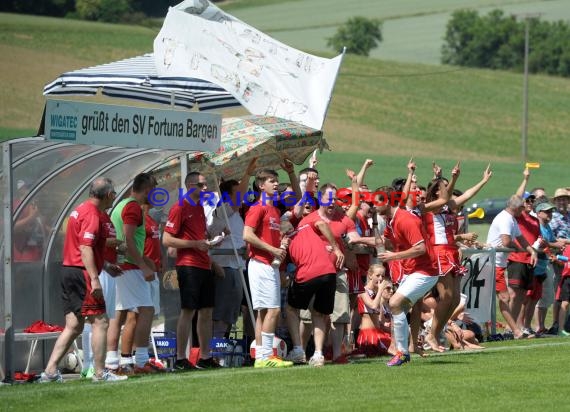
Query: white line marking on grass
499, 349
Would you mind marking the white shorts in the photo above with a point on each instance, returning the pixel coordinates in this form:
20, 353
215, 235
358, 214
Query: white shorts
132, 290
415, 285
109, 292
265, 285
155, 293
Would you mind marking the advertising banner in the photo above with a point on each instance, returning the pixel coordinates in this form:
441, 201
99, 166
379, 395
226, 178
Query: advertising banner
127, 126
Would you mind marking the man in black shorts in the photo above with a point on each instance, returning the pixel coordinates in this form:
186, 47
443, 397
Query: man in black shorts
185, 231
317, 263
82, 295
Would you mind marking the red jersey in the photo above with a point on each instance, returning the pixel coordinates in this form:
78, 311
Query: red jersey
265, 220
84, 228
441, 228
340, 224
110, 233
188, 222
530, 229
308, 252
152, 241
404, 231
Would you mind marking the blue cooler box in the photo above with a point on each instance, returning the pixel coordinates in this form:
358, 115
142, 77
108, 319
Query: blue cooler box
165, 346
229, 353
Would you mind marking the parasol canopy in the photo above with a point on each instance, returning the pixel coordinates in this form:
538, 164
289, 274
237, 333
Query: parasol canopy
136, 78
270, 139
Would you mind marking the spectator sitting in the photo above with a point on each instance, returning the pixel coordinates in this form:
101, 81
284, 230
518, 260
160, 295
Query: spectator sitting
374, 337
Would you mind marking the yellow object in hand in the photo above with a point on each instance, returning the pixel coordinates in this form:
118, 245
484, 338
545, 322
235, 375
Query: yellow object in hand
533, 165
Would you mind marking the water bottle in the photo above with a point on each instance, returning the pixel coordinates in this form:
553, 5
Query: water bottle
562, 258
276, 261
379, 248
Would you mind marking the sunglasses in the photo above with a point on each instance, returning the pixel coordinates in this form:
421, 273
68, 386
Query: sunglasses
201, 185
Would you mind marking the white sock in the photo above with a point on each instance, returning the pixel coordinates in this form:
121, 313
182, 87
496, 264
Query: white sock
86, 346
298, 348
141, 356
401, 332
317, 354
258, 352
112, 360
267, 344
125, 360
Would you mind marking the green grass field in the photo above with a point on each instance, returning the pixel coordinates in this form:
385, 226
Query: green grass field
506, 376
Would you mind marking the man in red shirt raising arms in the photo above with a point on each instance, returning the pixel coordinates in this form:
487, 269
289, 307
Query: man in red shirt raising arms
405, 234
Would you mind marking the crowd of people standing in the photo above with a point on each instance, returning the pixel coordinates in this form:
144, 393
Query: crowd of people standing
366, 272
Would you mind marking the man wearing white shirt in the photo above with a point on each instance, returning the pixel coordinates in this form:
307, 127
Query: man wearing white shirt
504, 229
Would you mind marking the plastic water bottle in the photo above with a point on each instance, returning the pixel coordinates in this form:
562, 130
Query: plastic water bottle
562, 258
276, 261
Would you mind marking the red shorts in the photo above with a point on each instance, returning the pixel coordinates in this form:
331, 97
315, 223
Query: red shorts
355, 283
500, 280
373, 342
447, 260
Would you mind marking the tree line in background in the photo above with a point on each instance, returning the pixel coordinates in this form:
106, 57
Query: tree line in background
113, 11
496, 41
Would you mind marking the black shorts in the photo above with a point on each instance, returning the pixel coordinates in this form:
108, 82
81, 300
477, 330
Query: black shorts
197, 287
76, 294
520, 275
563, 292
322, 288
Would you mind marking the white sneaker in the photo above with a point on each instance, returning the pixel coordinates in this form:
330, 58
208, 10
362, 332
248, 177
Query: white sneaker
56, 377
296, 355
317, 361
109, 376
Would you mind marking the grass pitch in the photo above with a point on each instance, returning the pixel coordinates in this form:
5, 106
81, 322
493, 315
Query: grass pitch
506, 376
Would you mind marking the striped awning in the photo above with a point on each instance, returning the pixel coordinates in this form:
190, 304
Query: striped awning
137, 78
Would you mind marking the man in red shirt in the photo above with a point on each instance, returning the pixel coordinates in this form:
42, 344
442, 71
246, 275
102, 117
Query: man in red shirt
185, 231
317, 263
262, 231
341, 226
82, 294
405, 234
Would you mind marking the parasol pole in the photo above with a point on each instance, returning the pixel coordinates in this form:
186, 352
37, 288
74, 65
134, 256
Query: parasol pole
238, 260
332, 90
